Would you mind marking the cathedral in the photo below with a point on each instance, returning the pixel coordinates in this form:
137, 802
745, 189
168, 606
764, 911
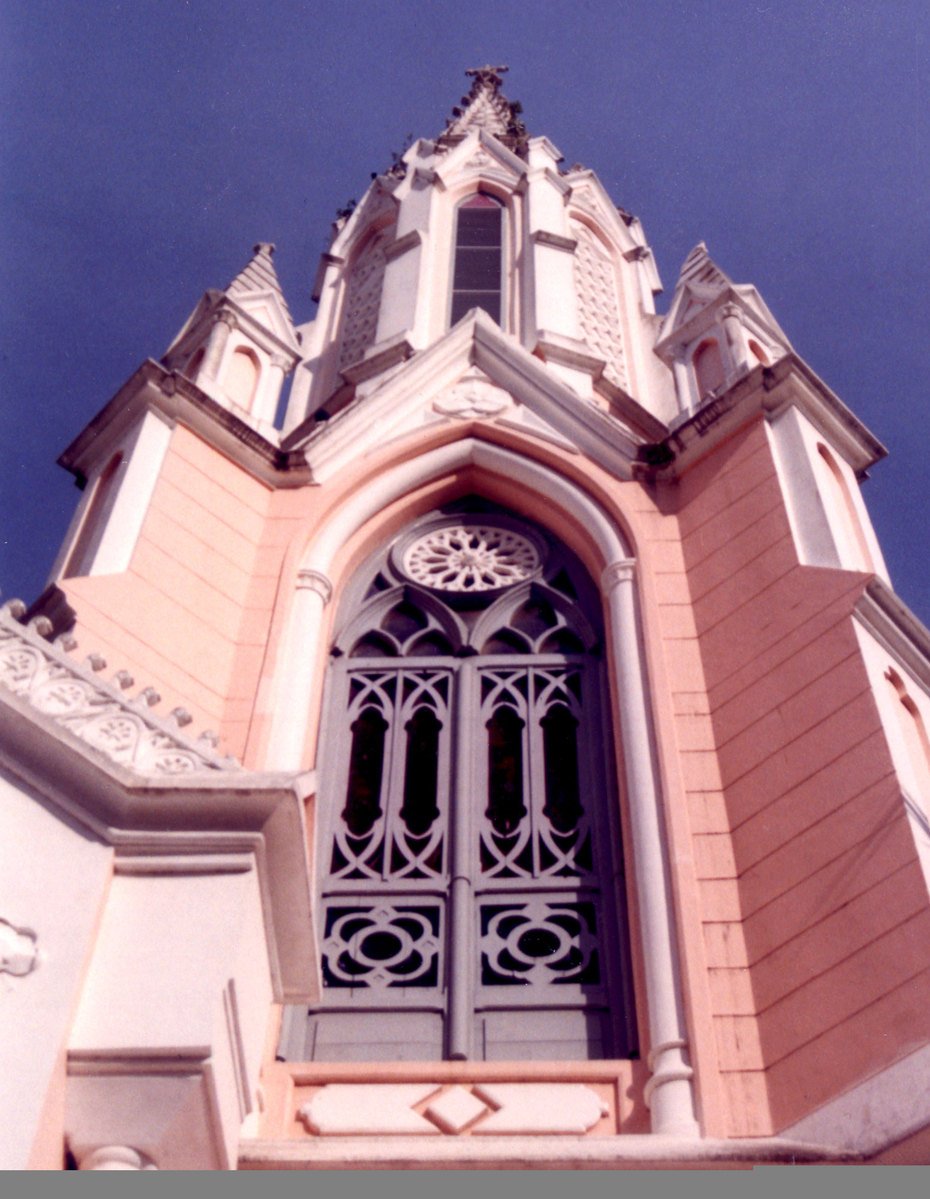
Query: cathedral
472, 728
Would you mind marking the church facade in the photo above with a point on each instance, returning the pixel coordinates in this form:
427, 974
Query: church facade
566, 799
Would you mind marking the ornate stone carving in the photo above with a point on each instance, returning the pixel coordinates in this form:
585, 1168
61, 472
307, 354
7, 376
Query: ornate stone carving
479, 160
598, 310
470, 557
540, 1108
487, 108
52, 683
473, 398
455, 1109
19, 953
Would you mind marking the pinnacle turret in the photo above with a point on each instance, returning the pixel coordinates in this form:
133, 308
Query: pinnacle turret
259, 276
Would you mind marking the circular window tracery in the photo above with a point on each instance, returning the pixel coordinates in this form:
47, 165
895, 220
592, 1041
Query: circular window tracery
466, 558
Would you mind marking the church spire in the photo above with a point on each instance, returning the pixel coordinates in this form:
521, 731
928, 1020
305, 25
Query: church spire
486, 107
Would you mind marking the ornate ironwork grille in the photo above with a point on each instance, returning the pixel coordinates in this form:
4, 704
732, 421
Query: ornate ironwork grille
469, 860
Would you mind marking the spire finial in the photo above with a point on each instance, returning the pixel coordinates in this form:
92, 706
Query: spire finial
487, 74
486, 107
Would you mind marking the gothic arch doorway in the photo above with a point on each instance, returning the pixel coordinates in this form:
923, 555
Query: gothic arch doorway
470, 884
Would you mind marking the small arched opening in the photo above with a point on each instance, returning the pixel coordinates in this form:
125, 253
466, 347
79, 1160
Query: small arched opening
707, 362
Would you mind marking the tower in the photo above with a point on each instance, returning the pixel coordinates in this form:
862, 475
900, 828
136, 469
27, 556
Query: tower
567, 801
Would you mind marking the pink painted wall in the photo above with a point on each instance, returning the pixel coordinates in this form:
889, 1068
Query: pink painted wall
815, 885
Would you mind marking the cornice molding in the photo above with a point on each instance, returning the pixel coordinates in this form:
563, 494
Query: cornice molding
175, 399
895, 627
542, 237
765, 390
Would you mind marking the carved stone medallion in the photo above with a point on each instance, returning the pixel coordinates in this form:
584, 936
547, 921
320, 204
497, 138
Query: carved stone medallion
470, 557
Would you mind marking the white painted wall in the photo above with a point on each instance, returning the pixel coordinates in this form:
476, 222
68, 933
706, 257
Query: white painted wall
53, 881
110, 548
822, 531
180, 973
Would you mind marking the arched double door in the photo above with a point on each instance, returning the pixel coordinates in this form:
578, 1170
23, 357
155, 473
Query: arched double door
469, 868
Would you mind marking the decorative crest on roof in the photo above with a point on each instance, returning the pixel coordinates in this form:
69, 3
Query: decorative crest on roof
486, 107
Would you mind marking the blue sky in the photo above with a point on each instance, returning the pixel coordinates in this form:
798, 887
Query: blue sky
146, 145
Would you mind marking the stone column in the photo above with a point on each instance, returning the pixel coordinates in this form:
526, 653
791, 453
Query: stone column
669, 1091
682, 375
266, 402
216, 343
297, 669
733, 329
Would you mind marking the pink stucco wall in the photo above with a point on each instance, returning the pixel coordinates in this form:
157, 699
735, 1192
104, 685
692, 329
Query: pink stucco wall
807, 886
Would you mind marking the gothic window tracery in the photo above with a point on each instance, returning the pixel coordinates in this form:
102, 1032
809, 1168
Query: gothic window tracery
467, 853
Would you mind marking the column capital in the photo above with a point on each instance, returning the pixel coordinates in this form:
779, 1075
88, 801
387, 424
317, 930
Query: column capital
309, 579
229, 319
622, 571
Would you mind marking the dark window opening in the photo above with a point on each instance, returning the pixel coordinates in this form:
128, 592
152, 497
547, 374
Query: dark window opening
366, 766
476, 281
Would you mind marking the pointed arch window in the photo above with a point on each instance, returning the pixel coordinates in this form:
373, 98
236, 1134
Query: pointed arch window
477, 278
242, 375
468, 851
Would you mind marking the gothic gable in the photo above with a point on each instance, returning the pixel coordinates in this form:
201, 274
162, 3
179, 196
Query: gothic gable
473, 374
480, 154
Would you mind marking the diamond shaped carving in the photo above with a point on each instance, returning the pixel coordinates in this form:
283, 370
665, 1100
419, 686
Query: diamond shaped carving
455, 1109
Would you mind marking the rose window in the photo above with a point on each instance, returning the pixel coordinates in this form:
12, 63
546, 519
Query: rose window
468, 558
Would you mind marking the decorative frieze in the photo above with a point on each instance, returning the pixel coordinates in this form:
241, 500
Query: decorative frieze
93, 710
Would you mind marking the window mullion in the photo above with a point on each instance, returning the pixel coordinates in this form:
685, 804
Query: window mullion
460, 972
392, 789
535, 781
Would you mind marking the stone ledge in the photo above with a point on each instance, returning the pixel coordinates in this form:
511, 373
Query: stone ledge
532, 1153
